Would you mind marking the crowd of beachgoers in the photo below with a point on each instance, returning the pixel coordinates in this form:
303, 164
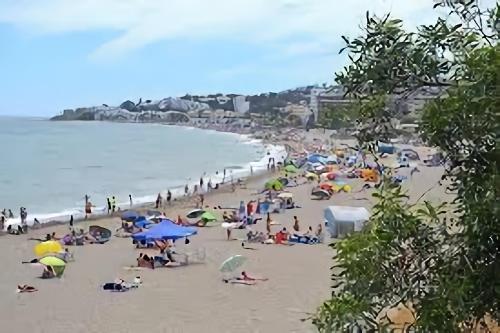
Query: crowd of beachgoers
233, 232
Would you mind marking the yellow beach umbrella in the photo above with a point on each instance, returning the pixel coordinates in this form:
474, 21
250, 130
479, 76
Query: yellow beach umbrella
44, 248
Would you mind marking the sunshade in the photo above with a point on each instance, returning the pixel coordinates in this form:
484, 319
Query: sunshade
44, 248
208, 216
194, 214
316, 158
321, 193
232, 263
154, 213
285, 195
58, 265
312, 176
52, 261
166, 229
326, 186
410, 153
283, 181
142, 223
274, 184
96, 230
129, 215
291, 168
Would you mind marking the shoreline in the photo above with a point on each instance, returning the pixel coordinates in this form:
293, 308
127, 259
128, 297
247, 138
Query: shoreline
243, 172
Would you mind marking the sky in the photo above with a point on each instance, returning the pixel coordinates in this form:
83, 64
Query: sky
59, 54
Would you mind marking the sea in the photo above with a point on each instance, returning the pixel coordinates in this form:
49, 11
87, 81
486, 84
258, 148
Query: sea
48, 167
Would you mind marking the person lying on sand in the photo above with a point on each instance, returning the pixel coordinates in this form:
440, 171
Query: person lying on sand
244, 278
24, 288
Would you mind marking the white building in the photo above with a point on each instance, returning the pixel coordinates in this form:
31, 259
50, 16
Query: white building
241, 105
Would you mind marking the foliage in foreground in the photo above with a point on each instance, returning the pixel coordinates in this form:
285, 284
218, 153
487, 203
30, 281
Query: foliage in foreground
443, 262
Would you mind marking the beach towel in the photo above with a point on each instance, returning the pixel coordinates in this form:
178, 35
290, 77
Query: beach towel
115, 287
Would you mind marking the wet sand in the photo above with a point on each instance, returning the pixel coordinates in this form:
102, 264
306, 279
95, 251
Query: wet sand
184, 299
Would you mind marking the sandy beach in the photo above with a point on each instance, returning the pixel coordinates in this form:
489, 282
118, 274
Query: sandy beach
191, 298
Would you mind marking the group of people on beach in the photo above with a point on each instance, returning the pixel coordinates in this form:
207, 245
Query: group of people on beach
7, 214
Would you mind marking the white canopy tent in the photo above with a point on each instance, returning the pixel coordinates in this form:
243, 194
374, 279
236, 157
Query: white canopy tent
342, 220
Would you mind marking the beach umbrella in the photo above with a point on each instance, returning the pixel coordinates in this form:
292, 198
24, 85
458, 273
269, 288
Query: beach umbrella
57, 264
312, 176
232, 263
208, 216
129, 215
48, 247
291, 168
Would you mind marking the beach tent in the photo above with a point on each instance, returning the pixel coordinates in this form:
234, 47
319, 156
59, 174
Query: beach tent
166, 229
321, 194
340, 152
130, 215
274, 184
195, 214
155, 213
47, 247
316, 158
208, 217
385, 148
410, 154
100, 233
342, 220
142, 222
369, 175
312, 176
291, 168
58, 265
332, 159
284, 181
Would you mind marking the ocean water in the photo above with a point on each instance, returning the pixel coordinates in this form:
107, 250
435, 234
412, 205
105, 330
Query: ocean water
48, 167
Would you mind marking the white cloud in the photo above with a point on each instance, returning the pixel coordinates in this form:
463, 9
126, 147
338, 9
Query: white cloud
311, 23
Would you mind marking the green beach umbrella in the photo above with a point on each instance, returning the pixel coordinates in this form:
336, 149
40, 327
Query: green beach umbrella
232, 263
208, 216
291, 168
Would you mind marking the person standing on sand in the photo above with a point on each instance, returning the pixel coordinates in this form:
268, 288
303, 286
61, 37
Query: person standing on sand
88, 209
169, 197
113, 204
268, 224
108, 200
186, 190
296, 226
224, 176
158, 201
201, 184
251, 170
209, 185
130, 200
